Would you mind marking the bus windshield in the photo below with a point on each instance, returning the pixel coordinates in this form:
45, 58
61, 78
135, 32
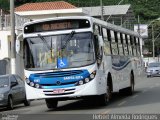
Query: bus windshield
59, 51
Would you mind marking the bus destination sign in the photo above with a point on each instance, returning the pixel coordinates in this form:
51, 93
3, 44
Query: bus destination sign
57, 25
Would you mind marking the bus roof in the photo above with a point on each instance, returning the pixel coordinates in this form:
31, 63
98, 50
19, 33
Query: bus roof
93, 20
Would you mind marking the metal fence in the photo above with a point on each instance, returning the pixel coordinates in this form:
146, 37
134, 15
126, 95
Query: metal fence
5, 22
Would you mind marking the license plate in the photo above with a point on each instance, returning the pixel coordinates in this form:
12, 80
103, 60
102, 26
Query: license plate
58, 91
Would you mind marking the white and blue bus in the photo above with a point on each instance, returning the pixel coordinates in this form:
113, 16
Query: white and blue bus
79, 57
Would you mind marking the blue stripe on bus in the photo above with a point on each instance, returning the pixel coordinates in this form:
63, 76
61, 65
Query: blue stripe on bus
121, 67
120, 62
64, 77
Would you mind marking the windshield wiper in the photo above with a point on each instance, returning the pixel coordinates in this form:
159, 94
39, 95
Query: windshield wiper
68, 39
44, 41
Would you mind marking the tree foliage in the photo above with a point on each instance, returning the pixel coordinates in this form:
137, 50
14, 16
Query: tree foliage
4, 4
147, 9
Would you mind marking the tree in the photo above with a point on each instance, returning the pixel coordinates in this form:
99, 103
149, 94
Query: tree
4, 4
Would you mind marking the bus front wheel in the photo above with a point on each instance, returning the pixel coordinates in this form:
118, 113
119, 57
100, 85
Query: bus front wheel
105, 98
51, 103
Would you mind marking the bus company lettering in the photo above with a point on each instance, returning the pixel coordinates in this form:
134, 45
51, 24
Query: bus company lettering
73, 77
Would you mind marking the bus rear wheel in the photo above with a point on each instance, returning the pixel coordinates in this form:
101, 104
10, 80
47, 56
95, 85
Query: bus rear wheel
130, 90
51, 103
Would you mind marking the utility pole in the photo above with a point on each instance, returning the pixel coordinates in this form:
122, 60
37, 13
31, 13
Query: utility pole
1, 21
111, 14
101, 4
12, 18
153, 42
139, 26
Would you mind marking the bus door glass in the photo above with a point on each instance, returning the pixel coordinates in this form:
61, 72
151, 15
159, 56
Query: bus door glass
97, 44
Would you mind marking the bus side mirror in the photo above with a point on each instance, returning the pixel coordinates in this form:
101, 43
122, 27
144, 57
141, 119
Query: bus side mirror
18, 43
17, 46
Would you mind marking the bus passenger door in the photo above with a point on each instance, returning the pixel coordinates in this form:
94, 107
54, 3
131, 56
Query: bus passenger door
98, 50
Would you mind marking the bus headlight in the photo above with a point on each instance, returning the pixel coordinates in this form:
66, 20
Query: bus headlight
37, 86
27, 81
31, 84
86, 80
92, 76
81, 82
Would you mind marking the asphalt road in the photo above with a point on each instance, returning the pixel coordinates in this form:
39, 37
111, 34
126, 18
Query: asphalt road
145, 100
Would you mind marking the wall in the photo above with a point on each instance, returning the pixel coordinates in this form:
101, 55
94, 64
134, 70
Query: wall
4, 44
42, 14
5, 54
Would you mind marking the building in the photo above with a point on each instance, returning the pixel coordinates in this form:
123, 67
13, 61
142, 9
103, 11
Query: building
116, 14
5, 41
43, 10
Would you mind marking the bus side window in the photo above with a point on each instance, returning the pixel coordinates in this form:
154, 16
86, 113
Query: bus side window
134, 47
129, 45
125, 45
132, 41
138, 47
120, 44
107, 50
116, 40
114, 43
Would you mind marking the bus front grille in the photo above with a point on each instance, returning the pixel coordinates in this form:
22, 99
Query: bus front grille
58, 74
66, 92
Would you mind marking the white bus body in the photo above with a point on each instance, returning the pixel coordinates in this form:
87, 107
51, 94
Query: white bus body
107, 64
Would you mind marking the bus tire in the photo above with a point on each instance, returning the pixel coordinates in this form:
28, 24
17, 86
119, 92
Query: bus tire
130, 90
105, 98
51, 103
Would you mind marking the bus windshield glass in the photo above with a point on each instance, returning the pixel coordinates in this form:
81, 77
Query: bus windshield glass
59, 51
